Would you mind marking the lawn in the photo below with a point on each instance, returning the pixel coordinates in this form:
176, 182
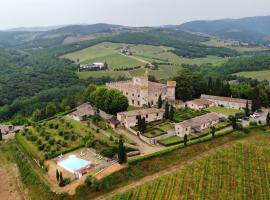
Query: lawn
153, 132
225, 111
240, 171
58, 136
171, 140
259, 75
183, 114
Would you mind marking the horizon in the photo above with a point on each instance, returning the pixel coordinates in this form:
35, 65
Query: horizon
48, 13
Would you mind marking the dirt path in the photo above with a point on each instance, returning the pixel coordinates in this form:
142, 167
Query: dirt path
161, 173
10, 183
143, 146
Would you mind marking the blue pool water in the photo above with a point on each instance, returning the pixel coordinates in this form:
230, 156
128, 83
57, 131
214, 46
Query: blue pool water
72, 164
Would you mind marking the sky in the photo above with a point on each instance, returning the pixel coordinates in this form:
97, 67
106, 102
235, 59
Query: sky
32, 13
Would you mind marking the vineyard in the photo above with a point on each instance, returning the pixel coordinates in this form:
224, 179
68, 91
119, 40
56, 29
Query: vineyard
241, 171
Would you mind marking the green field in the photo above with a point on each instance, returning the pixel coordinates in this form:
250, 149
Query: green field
142, 54
104, 52
225, 111
259, 75
241, 171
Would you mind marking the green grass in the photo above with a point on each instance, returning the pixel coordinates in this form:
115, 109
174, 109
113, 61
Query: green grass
109, 52
225, 111
154, 132
104, 52
240, 171
171, 140
183, 114
165, 126
259, 75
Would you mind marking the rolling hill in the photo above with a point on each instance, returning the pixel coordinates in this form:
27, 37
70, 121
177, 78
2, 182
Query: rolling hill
251, 29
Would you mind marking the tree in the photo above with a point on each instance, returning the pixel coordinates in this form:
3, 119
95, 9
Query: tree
171, 114
213, 131
268, 119
1, 136
139, 122
143, 125
57, 175
50, 109
160, 102
122, 155
185, 139
247, 111
233, 120
61, 179
167, 110
36, 116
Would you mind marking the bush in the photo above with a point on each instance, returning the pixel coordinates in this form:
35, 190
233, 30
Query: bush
51, 141
109, 152
39, 142
88, 181
51, 125
47, 137
64, 144
64, 182
56, 126
73, 137
253, 123
58, 147
41, 147
61, 133
246, 130
66, 137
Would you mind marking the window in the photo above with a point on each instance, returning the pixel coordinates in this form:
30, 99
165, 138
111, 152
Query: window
157, 114
126, 93
132, 101
146, 115
133, 95
138, 103
186, 129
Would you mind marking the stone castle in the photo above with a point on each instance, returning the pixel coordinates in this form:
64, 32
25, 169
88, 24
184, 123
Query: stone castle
141, 92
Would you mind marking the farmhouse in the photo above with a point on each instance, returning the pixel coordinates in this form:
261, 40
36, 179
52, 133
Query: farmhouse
199, 104
198, 124
83, 112
92, 67
227, 102
142, 92
129, 119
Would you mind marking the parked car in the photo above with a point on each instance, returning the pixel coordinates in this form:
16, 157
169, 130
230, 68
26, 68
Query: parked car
246, 118
253, 116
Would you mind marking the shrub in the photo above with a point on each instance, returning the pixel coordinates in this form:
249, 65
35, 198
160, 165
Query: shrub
47, 137
41, 147
73, 137
64, 144
64, 182
253, 123
51, 125
109, 152
39, 142
88, 181
33, 138
58, 147
61, 133
66, 137
56, 126
23, 133
51, 141
246, 130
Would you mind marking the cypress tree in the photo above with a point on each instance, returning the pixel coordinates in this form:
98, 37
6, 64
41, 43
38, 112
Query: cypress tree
247, 111
160, 102
1, 136
268, 119
122, 155
171, 113
57, 175
143, 125
185, 139
139, 123
167, 110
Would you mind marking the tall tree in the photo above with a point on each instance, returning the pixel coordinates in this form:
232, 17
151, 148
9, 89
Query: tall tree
167, 110
36, 116
268, 119
51, 109
247, 111
185, 139
144, 125
57, 175
139, 122
171, 114
1, 136
160, 102
122, 155
233, 121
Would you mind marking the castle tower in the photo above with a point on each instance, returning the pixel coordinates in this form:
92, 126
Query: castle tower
170, 94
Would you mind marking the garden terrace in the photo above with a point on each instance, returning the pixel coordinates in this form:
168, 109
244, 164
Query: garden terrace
183, 114
61, 135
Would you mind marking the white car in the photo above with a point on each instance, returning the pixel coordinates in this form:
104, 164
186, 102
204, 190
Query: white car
253, 116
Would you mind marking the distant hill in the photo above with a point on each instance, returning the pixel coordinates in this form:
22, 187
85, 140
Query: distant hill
251, 29
84, 29
33, 29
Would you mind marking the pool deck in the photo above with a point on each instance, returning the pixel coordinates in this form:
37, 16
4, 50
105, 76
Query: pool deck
70, 188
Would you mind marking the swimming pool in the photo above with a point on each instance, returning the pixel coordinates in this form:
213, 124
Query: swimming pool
73, 163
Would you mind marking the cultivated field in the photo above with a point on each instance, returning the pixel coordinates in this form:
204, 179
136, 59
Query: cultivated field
237, 172
260, 75
168, 62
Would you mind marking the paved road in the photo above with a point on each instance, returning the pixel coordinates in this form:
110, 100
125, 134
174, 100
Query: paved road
144, 147
262, 117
